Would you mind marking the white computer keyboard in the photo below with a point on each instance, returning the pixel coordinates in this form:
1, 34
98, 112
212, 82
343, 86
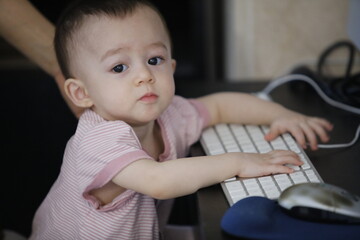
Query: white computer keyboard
224, 138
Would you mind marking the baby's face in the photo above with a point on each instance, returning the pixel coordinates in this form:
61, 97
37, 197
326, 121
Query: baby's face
126, 66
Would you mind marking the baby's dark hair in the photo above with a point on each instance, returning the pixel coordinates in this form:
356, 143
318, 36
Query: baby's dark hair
74, 16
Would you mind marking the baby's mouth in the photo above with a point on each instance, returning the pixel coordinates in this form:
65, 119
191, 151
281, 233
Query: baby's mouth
149, 98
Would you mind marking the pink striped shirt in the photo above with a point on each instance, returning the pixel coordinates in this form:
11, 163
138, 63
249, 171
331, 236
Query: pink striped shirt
94, 155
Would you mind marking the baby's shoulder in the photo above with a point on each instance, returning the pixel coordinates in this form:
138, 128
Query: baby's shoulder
93, 126
179, 104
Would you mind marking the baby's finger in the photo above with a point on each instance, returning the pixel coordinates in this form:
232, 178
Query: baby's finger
320, 131
324, 123
272, 134
285, 157
276, 169
310, 135
298, 134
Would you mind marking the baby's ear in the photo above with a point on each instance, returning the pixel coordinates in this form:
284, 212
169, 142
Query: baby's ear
173, 65
76, 91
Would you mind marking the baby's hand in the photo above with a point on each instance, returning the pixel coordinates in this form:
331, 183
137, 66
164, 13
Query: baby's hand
303, 128
269, 163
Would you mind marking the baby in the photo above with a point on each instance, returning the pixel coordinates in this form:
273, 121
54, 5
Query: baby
131, 143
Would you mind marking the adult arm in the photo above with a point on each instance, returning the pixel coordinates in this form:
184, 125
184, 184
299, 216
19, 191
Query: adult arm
24, 27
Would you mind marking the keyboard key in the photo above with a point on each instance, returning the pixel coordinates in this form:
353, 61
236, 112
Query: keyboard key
255, 192
269, 186
296, 168
293, 146
283, 181
212, 142
243, 138
216, 151
252, 187
250, 138
298, 177
278, 144
230, 179
236, 190
312, 176
305, 161
234, 186
249, 148
238, 196
263, 148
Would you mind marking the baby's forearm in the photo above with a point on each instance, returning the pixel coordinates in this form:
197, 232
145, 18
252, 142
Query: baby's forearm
191, 174
241, 108
178, 177
174, 178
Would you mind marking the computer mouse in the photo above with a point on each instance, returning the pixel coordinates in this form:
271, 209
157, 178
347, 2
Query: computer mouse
321, 202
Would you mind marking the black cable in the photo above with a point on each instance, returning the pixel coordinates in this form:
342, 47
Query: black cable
346, 88
341, 44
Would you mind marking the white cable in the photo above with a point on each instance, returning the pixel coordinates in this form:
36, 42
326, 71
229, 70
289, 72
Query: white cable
295, 77
342, 145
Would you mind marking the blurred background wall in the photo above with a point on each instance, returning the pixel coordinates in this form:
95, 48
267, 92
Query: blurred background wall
217, 40
264, 38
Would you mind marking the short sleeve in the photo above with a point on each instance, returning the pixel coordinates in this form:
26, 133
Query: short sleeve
183, 122
203, 112
104, 151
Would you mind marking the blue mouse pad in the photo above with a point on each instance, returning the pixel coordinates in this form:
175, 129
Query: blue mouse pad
262, 218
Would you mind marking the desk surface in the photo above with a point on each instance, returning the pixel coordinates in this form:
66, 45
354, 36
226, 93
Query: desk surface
340, 167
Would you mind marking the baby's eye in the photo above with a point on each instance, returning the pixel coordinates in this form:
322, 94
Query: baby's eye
155, 60
119, 68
